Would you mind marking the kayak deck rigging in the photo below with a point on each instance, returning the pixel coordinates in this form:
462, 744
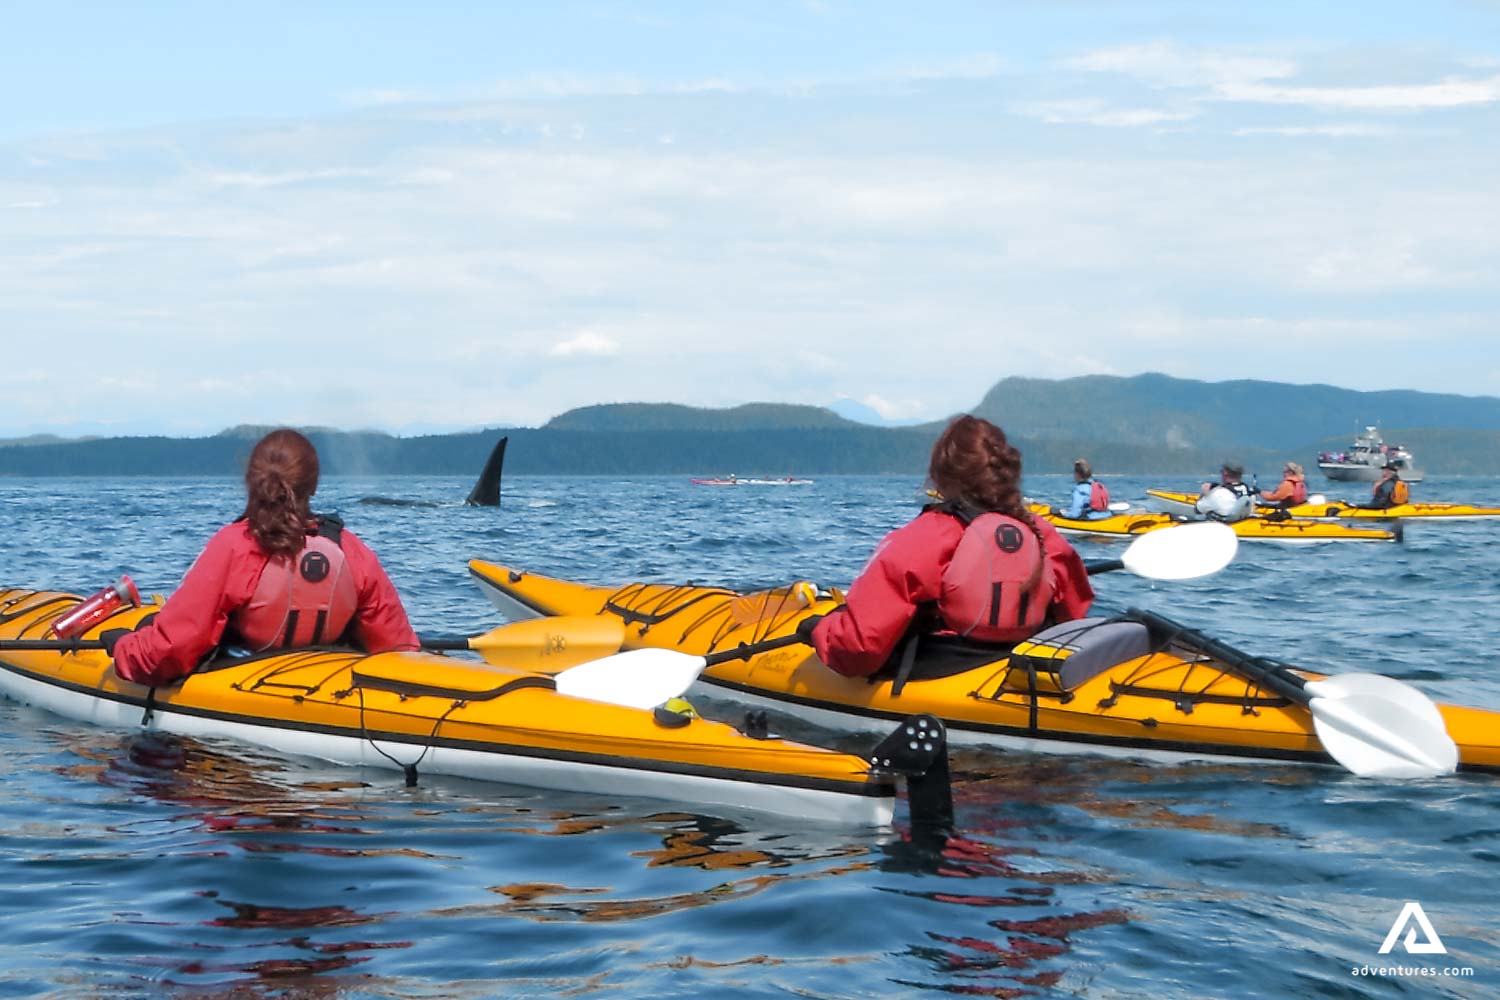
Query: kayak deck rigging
1158, 693
451, 716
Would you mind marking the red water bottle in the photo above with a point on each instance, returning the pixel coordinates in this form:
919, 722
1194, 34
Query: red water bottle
87, 613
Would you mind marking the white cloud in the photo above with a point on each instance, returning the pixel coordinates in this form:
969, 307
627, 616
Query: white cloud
586, 345
1231, 77
258, 180
1334, 131
1449, 93
464, 271
1170, 65
1094, 112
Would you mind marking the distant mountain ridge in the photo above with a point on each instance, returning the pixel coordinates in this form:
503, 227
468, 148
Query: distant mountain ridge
1140, 424
853, 409
676, 417
1171, 412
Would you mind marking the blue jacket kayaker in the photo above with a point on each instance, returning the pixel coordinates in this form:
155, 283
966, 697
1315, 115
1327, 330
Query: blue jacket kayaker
1090, 498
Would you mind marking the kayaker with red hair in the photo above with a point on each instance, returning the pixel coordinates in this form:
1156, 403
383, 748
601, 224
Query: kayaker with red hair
278, 577
977, 564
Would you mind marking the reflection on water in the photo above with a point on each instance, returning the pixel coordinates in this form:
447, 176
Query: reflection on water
145, 866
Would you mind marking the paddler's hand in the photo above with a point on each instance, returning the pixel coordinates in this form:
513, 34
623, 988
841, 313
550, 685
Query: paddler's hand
110, 637
805, 628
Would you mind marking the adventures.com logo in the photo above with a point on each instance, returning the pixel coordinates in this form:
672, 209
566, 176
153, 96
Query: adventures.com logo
1420, 938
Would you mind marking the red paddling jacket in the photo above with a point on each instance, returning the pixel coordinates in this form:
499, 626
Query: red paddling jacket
906, 572
234, 584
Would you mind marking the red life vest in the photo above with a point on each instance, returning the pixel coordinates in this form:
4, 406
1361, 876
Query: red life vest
305, 601
1299, 491
1098, 496
998, 586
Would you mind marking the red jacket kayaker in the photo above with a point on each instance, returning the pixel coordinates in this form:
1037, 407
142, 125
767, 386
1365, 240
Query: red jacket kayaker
976, 469
276, 578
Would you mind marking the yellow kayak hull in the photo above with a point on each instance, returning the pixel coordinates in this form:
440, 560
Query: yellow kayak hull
431, 714
1340, 510
1291, 531
1157, 703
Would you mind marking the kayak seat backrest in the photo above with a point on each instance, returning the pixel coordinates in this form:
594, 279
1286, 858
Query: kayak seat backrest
1077, 651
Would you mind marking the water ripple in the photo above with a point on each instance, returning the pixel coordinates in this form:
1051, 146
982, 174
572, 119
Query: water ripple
141, 866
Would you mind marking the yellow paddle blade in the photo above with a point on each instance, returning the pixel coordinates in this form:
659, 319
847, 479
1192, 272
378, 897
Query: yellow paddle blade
548, 645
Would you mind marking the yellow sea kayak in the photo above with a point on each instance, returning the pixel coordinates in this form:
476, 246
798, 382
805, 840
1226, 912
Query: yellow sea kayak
419, 712
1096, 686
1342, 510
1291, 531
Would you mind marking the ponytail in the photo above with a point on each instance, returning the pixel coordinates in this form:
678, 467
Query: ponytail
280, 479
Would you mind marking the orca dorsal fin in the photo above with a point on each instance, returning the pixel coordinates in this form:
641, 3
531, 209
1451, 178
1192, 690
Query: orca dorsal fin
486, 492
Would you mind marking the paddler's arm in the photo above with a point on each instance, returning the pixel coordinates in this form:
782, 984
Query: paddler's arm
1078, 503
380, 623
905, 572
1075, 593
192, 620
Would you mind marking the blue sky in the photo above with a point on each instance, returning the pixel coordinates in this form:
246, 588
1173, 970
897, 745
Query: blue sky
417, 217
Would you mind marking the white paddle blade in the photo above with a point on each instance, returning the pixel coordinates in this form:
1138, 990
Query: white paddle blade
1381, 686
1182, 552
1120, 506
1316, 498
639, 678
1377, 737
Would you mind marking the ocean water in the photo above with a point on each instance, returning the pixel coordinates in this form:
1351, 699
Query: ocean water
141, 866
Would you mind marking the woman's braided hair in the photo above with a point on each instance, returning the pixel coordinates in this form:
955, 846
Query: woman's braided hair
974, 465
280, 479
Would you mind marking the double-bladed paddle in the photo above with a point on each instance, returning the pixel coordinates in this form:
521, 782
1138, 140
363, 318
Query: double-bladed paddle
652, 676
1371, 724
1181, 552
582, 652
547, 645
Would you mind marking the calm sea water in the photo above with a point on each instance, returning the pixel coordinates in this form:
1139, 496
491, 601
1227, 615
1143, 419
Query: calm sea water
142, 866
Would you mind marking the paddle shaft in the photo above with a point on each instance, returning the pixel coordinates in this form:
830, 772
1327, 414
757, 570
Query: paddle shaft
443, 644
1284, 682
745, 650
54, 645
74, 645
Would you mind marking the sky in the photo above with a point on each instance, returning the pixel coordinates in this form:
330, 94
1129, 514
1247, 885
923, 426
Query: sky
441, 216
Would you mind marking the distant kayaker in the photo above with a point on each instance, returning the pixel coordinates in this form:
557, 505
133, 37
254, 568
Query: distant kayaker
1292, 489
1090, 497
1389, 490
1229, 499
975, 564
278, 577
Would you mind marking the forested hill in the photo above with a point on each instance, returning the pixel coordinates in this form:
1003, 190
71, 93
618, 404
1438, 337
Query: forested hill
1142, 424
1174, 412
674, 417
